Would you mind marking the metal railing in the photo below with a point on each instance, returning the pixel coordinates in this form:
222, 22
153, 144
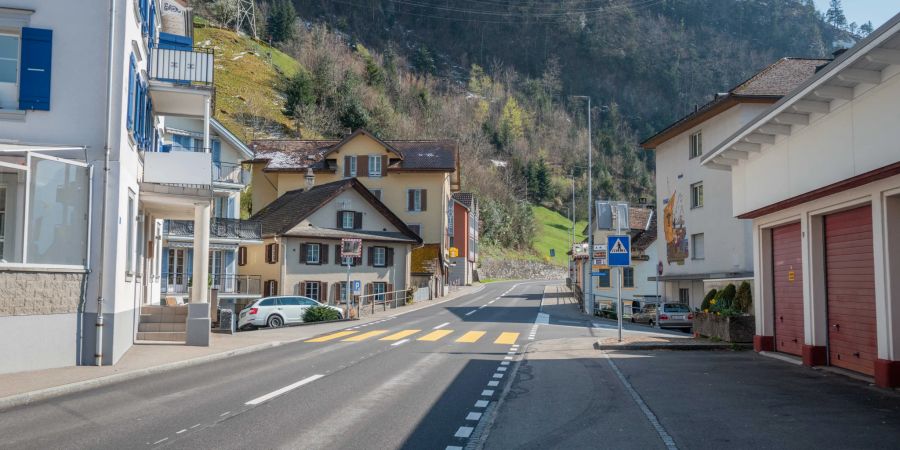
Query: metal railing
180, 283
370, 301
193, 67
229, 173
218, 228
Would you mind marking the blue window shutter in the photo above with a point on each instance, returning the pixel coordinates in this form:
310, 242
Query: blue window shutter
34, 76
188, 262
165, 261
129, 119
229, 262
230, 214
216, 152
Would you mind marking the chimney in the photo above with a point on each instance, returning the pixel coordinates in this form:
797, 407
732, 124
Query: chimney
310, 178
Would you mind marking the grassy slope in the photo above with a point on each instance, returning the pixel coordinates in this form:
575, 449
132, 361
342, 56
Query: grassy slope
247, 75
554, 231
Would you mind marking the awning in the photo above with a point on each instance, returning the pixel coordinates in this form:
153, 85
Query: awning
702, 276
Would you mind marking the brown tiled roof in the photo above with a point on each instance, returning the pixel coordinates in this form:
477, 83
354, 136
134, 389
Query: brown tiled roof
767, 86
294, 155
642, 239
466, 198
278, 217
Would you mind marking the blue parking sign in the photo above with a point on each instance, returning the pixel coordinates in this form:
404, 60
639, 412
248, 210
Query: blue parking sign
619, 250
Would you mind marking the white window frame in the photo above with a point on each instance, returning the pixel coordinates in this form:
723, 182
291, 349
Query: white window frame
344, 216
27, 214
130, 221
16, 83
379, 296
694, 252
309, 286
417, 200
685, 299
375, 169
310, 252
353, 165
383, 256
377, 193
695, 143
697, 200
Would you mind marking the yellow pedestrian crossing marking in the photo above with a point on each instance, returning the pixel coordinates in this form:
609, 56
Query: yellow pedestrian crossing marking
435, 335
399, 335
472, 336
364, 336
507, 338
329, 337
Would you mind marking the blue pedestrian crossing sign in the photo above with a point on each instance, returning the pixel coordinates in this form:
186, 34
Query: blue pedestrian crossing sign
619, 250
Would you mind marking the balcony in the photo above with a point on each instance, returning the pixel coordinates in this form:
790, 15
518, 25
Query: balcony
193, 169
245, 230
229, 173
227, 284
181, 80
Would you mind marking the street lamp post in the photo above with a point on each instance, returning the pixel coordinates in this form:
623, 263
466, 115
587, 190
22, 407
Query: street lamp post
589, 305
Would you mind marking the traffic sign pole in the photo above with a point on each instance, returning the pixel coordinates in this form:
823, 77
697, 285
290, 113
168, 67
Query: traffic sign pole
619, 255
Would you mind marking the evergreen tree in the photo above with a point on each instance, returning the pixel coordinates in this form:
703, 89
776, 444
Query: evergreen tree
298, 92
835, 14
282, 16
866, 28
423, 62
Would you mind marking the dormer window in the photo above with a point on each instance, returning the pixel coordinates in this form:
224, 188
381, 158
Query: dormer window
696, 144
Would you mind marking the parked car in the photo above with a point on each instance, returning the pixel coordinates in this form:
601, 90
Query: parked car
671, 315
276, 312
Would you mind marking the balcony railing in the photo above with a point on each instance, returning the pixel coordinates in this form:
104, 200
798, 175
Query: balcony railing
180, 283
229, 173
218, 228
193, 67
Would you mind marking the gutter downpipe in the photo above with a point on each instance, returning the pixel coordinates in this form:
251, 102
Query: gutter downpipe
98, 349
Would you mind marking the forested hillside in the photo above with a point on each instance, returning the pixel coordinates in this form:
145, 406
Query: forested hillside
498, 76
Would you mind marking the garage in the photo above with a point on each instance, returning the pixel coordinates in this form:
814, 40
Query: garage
850, 285
787, 276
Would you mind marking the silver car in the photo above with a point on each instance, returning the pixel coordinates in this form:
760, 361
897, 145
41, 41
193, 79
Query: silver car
276, 312
670, 315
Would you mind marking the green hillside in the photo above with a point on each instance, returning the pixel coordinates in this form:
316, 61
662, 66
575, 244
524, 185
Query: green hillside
554, 231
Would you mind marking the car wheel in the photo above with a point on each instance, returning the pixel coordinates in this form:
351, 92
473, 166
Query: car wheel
650, 323
275, 322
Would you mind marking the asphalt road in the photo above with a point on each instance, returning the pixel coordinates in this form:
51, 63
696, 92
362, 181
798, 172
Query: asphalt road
354, 390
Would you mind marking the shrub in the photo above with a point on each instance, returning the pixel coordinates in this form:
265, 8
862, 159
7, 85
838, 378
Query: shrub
729, 293
709, 296
319, 314
410, 295
743, 300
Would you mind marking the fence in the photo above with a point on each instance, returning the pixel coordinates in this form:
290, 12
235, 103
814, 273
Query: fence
180, 283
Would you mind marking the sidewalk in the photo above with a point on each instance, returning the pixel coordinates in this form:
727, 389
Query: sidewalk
145, 359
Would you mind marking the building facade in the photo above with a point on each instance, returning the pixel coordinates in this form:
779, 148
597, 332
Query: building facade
823, 197
701, 245
464, 238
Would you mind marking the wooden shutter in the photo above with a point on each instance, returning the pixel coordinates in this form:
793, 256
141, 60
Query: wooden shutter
357, 220
410, 199
368, 288
389, 257
346, 166
34, 69
384, 164
304, 251
242, 256
371, 256
424, 199
390, 288
357, 261
337, 254
323, 292
365, 171
323, 253
339, 223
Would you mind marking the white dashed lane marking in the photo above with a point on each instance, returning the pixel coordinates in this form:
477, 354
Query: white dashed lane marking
464, 432
441, 326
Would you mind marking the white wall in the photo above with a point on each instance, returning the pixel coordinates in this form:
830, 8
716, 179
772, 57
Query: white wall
856, 137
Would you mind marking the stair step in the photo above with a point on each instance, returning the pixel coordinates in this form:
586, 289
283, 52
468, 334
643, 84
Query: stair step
161, 326
168, 336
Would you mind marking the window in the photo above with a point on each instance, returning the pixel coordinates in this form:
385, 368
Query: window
216, 265
415, 228
311, 289
347, 220
9, 71
269, 289
174, 271
697, 195
684, 295
696, 144
376, 193
268, 301
374, 166
130, 217
342, 291
272, 253
379, 289
628, 277
697, 246
603, 280
379, 256
242, 256
313, 254
416, 200
350, 166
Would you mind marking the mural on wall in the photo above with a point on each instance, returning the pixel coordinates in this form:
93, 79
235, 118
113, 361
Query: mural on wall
676, 232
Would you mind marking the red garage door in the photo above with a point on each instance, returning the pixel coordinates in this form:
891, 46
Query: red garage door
850, 281
787, 264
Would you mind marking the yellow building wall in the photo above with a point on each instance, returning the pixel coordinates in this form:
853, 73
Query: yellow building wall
257, 265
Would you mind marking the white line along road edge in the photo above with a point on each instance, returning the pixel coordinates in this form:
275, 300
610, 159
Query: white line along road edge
283, 390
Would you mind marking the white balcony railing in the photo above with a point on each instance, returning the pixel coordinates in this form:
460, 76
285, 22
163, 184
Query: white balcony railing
178, 168
182, 66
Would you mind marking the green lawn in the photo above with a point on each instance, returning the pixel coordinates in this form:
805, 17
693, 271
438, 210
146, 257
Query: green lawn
554, 232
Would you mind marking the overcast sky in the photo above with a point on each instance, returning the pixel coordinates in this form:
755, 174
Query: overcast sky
861, 11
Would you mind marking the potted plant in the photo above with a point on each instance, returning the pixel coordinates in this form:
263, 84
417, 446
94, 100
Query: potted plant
725, 315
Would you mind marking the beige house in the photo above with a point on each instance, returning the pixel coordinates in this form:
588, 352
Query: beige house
413, 178
302, 232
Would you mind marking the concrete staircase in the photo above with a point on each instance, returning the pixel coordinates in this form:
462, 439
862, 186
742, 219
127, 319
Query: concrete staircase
163, 323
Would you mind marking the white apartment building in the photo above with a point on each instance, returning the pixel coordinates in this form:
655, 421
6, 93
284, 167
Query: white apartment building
84, 183
701, 245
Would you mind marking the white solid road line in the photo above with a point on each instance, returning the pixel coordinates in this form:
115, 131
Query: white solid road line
400, 342
161, 440
651, 417
283, 390
471, 312
441, 325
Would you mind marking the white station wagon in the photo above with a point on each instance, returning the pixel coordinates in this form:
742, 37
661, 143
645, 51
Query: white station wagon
276, 312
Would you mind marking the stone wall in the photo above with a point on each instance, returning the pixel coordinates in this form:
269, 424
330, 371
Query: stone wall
502, 269
26, 293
